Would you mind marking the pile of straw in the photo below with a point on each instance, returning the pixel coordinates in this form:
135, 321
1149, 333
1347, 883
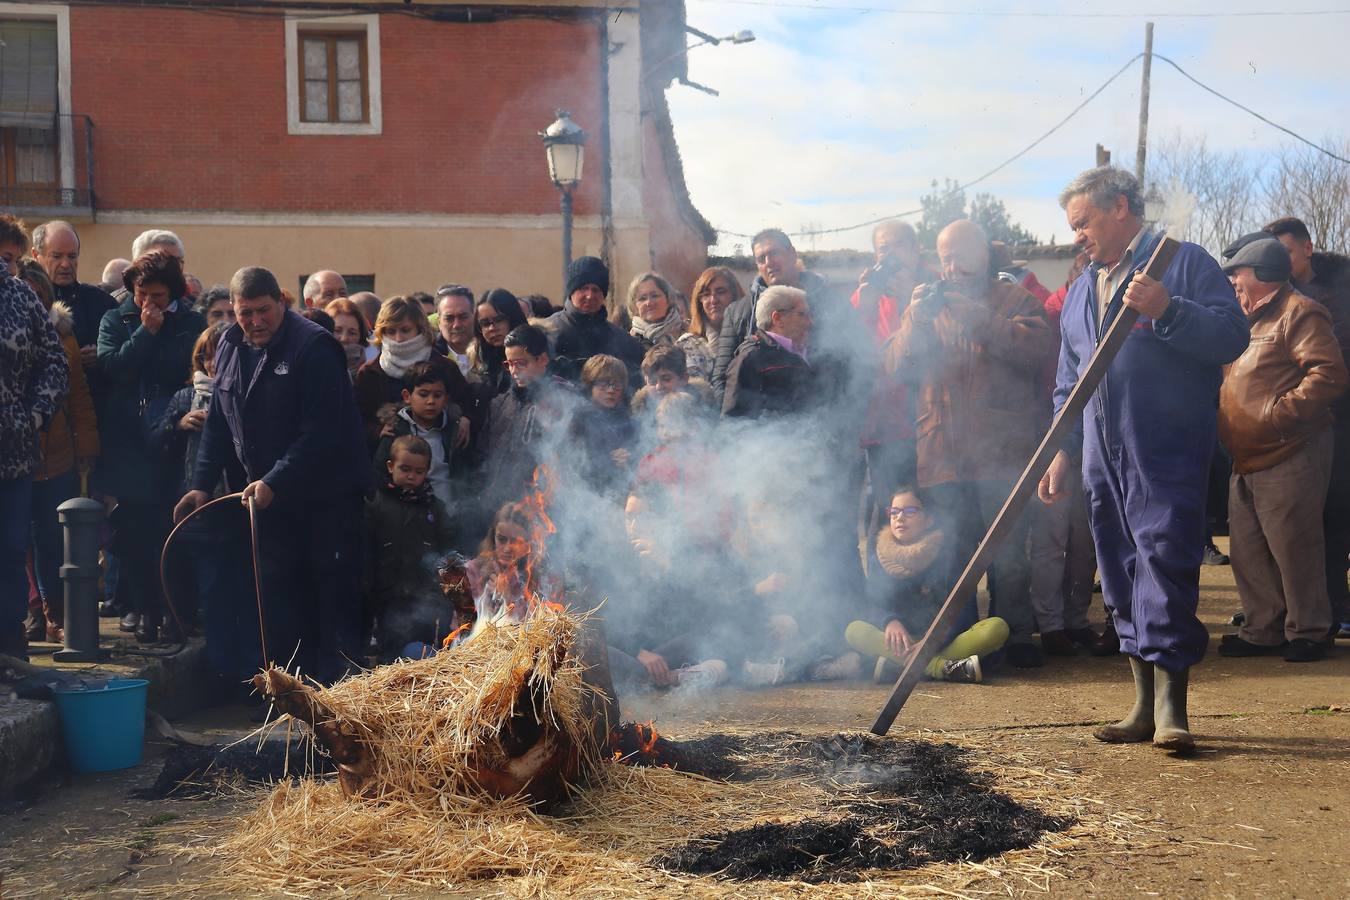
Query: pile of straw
431, 724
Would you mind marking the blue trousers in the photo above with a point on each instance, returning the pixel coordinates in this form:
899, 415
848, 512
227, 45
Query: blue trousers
15, 504
1149, 530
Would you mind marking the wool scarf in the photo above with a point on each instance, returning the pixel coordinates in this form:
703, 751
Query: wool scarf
664, 331
396, 358
906, 561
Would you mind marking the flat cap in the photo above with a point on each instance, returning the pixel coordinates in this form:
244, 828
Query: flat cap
1263, 253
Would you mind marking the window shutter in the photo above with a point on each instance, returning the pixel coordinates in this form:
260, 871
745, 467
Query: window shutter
28, 74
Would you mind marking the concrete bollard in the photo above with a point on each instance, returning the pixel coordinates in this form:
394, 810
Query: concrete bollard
81, 520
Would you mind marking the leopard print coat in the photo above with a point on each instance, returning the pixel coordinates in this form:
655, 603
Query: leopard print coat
33, 376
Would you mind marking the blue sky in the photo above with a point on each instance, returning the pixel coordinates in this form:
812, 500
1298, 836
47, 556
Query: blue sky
832, 116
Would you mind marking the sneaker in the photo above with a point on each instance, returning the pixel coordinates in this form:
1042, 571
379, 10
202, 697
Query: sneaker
107, 609
1024, 655
1340, 632
1238, 619
129, 622
764, 674
1057, 643
1213, 557
839, 668
1304, 650
966, 670
700, 676
1233, 646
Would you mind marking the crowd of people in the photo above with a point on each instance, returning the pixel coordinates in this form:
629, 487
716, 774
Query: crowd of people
753, 485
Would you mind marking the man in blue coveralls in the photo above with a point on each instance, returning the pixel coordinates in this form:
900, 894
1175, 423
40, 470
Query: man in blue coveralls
1145, 439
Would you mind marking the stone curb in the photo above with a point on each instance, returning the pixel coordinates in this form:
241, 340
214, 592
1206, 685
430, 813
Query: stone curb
30, 731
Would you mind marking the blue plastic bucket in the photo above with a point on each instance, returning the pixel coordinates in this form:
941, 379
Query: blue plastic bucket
103, 726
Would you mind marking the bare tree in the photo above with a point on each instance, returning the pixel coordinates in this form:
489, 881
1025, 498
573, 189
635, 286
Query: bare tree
1210, 197
1309, 184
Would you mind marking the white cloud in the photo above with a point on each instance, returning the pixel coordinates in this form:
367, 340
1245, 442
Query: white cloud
833, 118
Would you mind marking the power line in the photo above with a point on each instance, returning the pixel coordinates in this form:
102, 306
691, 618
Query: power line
1023, 14
974, 181
1250, 111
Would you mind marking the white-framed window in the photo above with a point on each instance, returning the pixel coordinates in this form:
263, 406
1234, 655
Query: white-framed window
37, 160
333, 75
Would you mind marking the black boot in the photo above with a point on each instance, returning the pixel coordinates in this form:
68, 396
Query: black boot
1138, 725
1169, 710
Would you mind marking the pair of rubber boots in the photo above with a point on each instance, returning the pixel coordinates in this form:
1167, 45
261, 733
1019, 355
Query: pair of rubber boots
1159, 712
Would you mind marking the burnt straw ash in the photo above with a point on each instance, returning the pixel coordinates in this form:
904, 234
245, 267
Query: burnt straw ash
903, 804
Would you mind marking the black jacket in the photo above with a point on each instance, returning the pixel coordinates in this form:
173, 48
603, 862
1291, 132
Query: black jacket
596, 433
293, 423
766, 380
1330, 286
578, 337
739, 321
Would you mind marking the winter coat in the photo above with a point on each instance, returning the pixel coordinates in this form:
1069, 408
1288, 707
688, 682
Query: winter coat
579, 336
73, 432
980, 407
739, 321
292, 424
179, 448
1157, 403
516, 429
88, 304
595, 434
142, 372
909, 582
375, 388
767, 380
456, 460
33, 376
405, 532
1278, 393
1330, 286
699, 354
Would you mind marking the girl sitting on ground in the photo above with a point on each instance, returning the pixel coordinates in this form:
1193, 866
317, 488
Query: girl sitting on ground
507, 564
909, 575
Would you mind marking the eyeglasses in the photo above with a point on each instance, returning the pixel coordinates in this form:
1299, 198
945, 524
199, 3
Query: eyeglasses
903, 512
488, 323
607, 386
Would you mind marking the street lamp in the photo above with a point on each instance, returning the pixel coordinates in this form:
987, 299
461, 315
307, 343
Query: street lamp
565, 144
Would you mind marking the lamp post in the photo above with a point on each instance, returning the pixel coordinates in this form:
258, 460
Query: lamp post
565, 144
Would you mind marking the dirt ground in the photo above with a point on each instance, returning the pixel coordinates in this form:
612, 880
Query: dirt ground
1263, 810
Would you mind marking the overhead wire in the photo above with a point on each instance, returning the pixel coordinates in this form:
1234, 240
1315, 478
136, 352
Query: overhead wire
1251, 112
974, 181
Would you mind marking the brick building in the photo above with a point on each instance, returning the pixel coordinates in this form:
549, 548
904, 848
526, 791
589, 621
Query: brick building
395, 141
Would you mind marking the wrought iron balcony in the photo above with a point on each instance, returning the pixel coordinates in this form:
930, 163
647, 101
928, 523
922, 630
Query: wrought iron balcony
68, 191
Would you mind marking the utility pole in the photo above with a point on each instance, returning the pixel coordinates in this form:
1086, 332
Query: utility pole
1143, 104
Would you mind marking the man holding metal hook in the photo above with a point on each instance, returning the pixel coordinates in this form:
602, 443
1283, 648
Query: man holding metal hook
1146, 438
283, 405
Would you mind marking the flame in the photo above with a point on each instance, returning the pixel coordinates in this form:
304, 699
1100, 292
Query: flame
450, 638
646, 735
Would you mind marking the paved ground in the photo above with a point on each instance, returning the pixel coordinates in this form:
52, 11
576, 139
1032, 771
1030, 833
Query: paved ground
1262, 811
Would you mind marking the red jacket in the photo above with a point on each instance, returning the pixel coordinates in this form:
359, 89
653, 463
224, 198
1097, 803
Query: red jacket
889, 417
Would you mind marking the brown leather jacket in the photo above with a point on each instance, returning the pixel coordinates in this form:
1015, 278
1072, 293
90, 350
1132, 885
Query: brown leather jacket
1278, 394
72, 434
979, 367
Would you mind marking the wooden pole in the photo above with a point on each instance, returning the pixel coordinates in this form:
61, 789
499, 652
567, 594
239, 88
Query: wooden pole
1143, 104
1071, 413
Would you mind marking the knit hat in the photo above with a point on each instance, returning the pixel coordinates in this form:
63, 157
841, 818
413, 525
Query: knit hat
584, 271
1262, 252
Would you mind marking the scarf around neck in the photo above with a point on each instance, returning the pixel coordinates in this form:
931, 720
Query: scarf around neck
906, 561
396, 358
202, 385
668, 329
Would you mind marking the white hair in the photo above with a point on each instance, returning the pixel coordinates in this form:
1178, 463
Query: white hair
156, 237
113, 271
40, 233
312, 289
778, 298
